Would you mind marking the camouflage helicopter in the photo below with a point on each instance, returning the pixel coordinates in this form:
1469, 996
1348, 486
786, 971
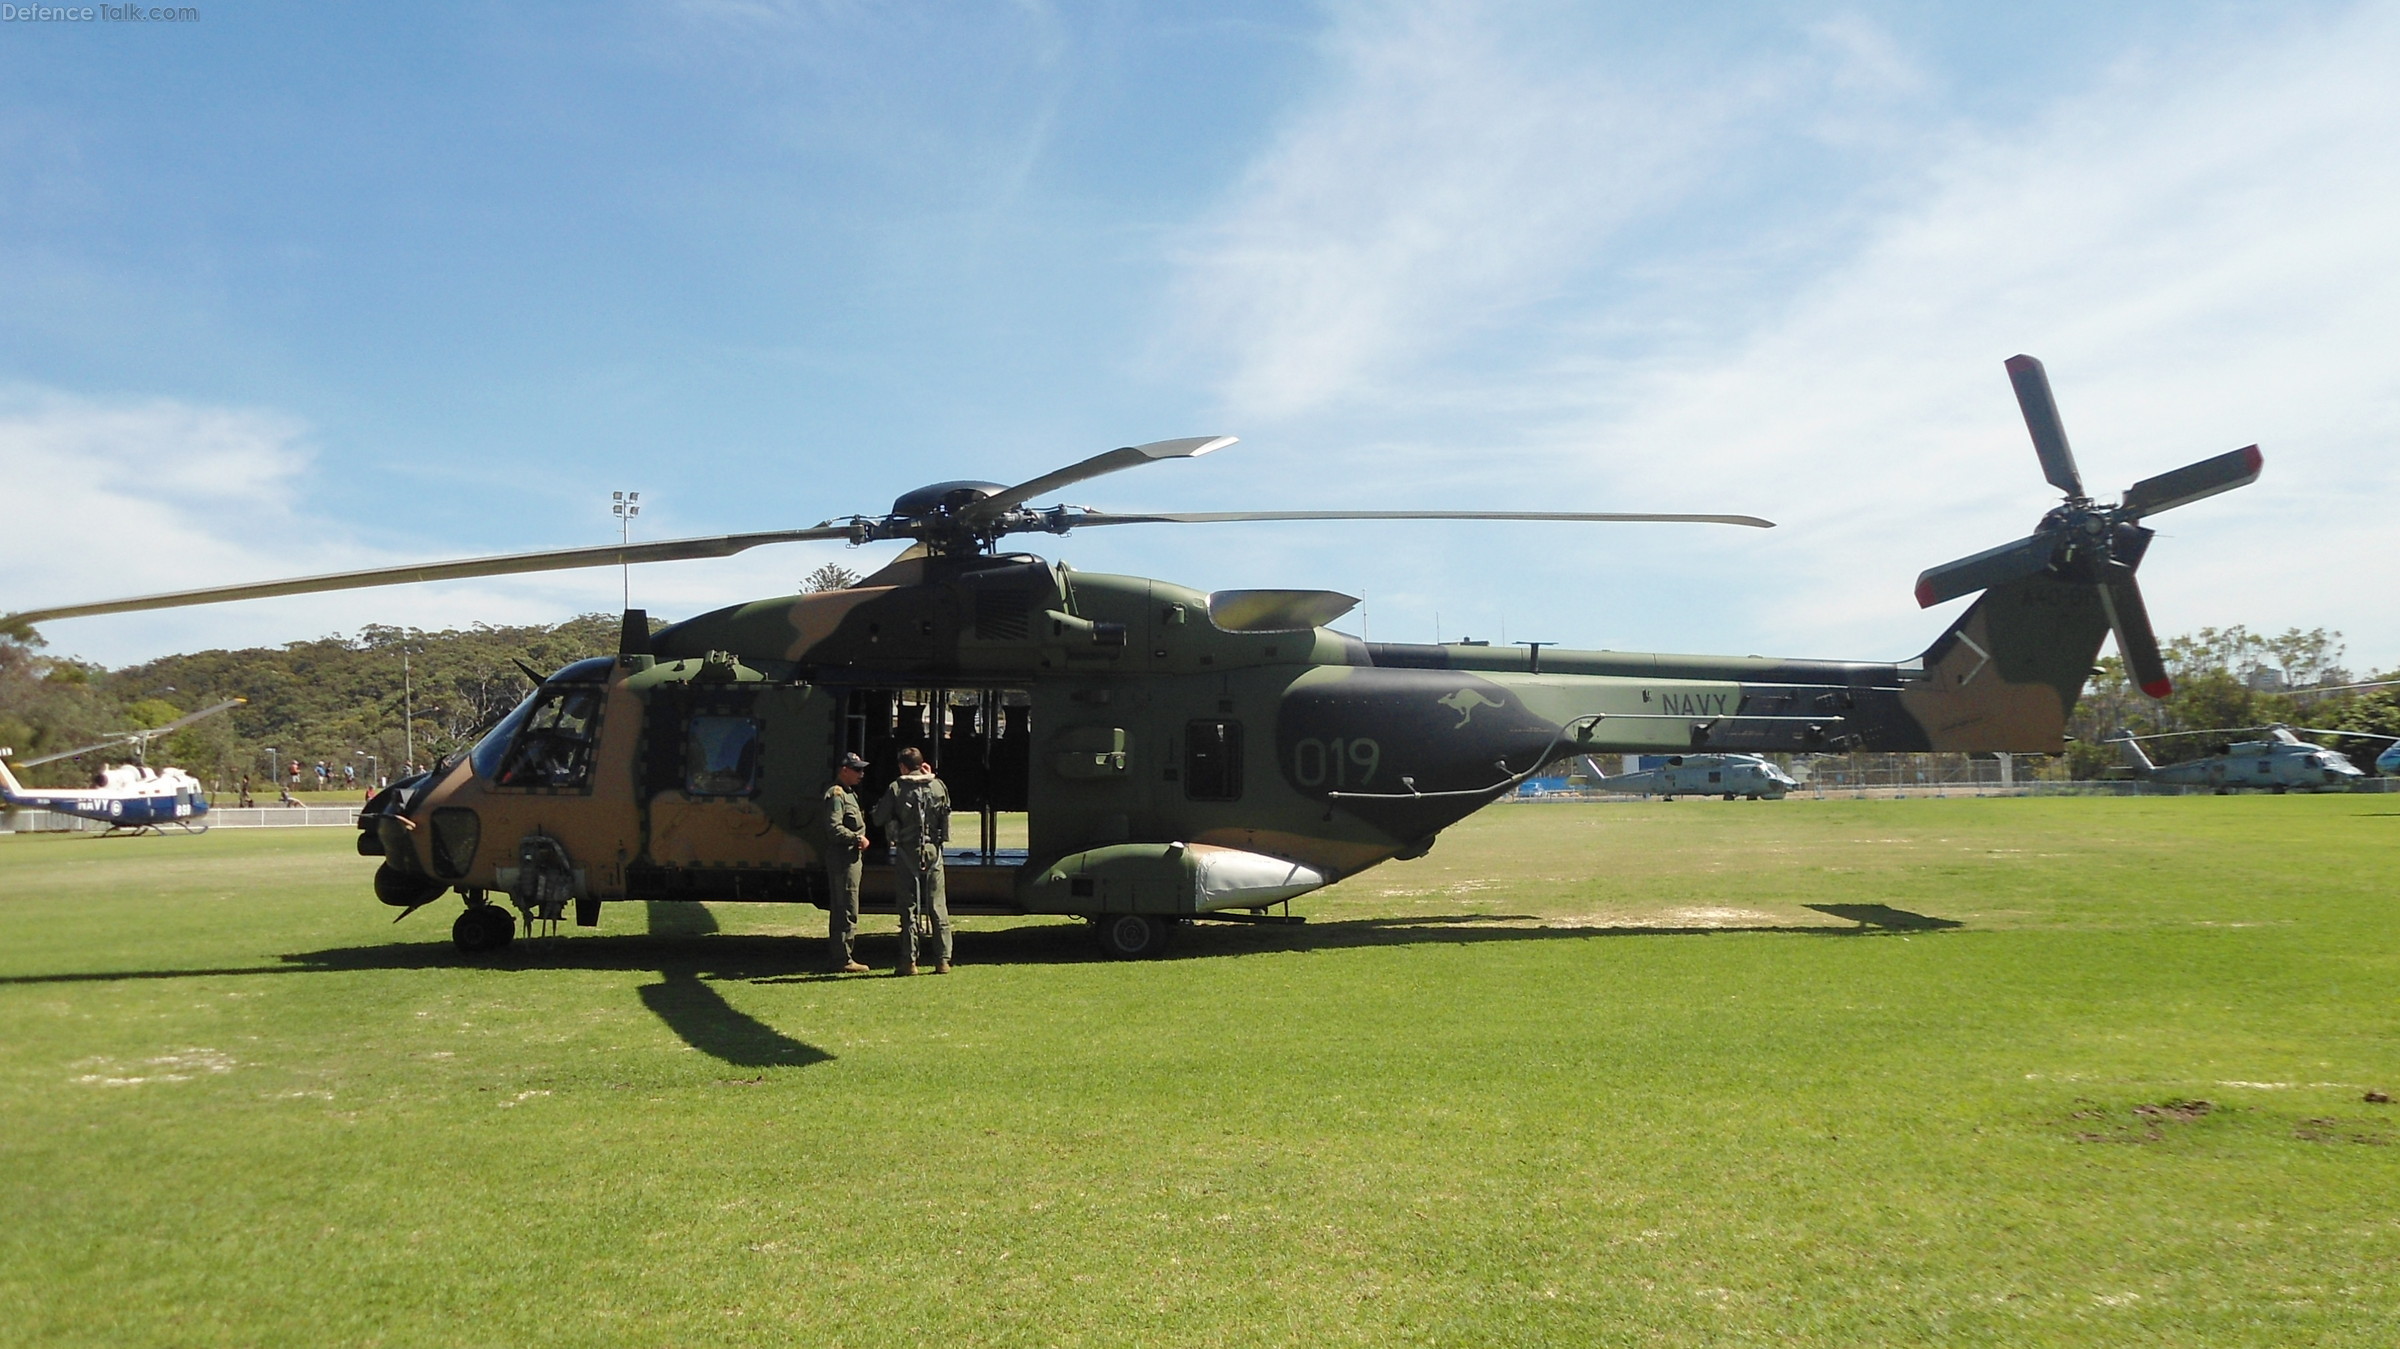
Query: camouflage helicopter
1180, 754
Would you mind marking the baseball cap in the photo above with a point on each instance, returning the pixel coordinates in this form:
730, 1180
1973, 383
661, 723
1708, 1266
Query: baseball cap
853, 762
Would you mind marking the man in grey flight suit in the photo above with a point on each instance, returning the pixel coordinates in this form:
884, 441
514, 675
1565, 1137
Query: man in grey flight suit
915, 814
844, 846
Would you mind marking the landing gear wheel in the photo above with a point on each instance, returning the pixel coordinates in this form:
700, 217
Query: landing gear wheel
1133, 936
483, 927
499, 926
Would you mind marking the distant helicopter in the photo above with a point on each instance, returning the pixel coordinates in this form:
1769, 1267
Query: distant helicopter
2279, 762
1180, 754
129, 798
1726, 775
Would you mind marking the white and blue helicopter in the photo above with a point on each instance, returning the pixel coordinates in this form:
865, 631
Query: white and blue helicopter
129, 798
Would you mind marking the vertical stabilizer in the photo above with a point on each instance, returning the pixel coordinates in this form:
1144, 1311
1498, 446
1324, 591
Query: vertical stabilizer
2135, 759
2007, 673
9, 786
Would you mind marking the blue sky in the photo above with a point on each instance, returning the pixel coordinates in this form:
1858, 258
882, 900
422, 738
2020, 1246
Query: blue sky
293, 289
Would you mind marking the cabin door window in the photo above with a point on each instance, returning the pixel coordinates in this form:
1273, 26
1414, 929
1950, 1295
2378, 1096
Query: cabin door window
721, 756
1212, 761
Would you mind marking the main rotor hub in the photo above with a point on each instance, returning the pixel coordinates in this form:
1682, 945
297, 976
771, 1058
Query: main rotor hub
944, 498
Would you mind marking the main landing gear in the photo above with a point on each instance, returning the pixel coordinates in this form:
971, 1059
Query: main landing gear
1134, 936
485, 926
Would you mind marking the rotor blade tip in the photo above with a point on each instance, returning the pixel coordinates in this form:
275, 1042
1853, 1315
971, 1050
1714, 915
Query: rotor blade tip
1926, 598
2159, 688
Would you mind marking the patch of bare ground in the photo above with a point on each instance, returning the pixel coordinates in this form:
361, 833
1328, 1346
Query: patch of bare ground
2331, 1130
2147, 1123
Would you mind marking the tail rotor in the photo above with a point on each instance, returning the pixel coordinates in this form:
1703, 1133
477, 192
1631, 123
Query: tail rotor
2093, 542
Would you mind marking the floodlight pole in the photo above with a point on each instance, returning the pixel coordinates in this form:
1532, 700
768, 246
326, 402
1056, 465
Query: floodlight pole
625, 506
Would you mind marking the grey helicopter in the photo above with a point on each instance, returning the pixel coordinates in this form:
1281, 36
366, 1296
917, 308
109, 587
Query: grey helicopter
1727, 775
2278, 762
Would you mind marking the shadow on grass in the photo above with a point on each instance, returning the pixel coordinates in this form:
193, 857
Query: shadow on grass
684, 945
701, 1015
687, 952
1871, 917
708, 1023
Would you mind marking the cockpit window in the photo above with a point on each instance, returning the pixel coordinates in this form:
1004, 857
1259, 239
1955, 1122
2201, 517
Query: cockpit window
551, 744
488, 751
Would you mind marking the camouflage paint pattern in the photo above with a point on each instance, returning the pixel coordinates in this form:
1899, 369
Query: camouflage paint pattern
1152, 727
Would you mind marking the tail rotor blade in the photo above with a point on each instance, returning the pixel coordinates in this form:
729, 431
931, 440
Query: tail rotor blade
2121, 598
2183, 486
2041, 418
1991, 567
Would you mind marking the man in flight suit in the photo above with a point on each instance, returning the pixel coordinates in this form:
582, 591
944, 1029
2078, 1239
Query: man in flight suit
844, 847
915, 814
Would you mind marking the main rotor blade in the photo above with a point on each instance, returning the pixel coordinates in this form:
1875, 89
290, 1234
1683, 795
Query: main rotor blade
113, 742
180, 722
1227, 517
129, 737
1132, 456
2183, 486
2041, 418
557, 559
2121, 599
2356, 735
1981, 571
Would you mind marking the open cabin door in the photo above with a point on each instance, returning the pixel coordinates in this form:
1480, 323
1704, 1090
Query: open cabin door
980, 744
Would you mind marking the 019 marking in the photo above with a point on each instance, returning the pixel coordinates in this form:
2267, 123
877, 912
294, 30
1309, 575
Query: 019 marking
1314, 759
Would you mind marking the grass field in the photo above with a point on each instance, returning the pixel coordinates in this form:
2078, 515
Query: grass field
1825, 1073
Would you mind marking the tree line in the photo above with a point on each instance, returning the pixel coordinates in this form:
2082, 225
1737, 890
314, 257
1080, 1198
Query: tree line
2233, 680
381, 702
385, 702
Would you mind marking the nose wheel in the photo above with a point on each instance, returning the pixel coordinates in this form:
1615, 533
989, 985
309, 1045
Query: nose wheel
483, 927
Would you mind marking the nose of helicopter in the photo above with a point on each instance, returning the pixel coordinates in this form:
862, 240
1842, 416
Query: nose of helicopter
1410, 751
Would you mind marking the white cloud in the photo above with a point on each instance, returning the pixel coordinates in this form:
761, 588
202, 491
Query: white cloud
2205, 252
118, 498
2204, 247
1446, 176
115, 495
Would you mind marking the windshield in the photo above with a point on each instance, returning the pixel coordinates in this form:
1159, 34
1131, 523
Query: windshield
488, 751
552, 746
